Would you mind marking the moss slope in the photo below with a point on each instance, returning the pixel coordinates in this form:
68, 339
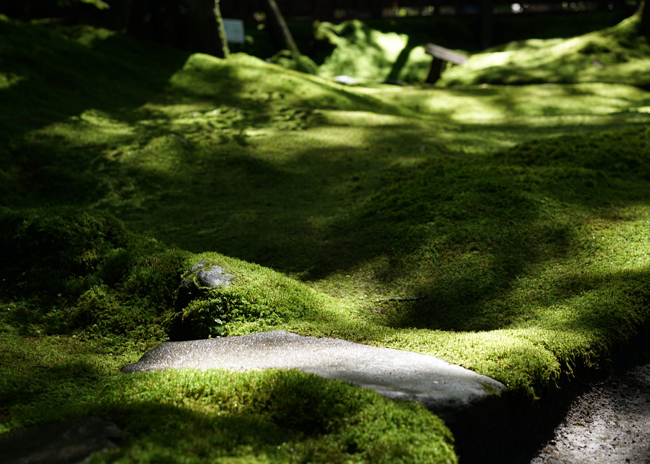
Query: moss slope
615, 55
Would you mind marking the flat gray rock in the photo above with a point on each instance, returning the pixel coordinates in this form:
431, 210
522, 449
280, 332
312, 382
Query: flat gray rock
58, 443
451, 391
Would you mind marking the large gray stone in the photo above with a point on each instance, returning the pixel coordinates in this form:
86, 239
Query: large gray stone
58, 443
455, 393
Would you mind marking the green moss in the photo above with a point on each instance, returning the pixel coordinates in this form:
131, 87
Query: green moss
269, 416
257, 298
43, 248
519, 225
41, 373
257, 85
74, 270
534, 254
615, 55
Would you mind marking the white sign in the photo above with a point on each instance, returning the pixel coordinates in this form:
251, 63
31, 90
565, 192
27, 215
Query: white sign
234, 30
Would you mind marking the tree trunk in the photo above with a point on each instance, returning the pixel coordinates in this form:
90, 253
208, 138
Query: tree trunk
281, 35
187, 24
644, 19
279, 30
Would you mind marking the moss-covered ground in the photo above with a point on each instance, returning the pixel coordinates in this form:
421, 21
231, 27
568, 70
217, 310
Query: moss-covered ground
514, 220
616, 54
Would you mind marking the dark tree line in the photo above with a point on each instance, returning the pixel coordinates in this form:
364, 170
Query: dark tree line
193, 25
187, 24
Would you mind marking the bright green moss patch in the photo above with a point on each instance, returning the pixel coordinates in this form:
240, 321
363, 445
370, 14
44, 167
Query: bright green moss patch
267, 416
537, 254
252, 82
257, 298
535, 106
616, 55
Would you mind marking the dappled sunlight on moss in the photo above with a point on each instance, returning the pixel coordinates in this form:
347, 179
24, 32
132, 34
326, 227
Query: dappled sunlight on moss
9, 79
490, 105
461, 201
251, 81
615, 55
266, 415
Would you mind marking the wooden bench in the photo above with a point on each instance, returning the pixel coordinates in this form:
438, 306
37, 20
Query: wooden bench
442, 56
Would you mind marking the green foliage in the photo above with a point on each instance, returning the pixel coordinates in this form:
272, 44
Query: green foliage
248, 80
289, 60
260, 416
519, 239
75, 270
276, 416
72, 270
38, 374
369, 54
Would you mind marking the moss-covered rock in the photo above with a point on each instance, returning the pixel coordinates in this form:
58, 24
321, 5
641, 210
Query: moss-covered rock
80, 270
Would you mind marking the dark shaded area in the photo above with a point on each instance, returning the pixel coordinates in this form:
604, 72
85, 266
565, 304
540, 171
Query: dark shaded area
60, 81
65, 270
189, 25
68, 11
40, 251
531, 423
59, 443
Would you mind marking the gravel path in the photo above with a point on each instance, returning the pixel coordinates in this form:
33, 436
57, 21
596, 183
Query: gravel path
609, 424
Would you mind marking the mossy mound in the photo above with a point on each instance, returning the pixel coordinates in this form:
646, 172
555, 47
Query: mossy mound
70, 270
257, 299
545, 243
251, 82
615, 55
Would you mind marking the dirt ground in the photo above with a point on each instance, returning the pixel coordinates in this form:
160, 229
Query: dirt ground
609, 424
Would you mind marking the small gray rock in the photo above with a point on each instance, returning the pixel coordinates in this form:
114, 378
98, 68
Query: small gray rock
216, 276
195, 285
59, 443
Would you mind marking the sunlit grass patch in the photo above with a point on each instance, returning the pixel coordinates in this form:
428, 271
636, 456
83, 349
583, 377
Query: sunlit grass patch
526, 104
546, 242
253, 83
